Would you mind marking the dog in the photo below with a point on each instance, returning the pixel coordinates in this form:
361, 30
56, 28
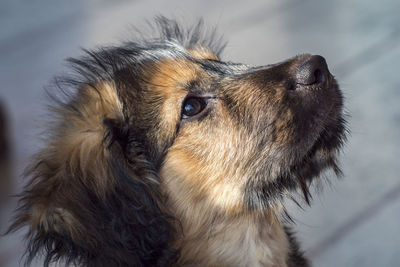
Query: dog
162, 154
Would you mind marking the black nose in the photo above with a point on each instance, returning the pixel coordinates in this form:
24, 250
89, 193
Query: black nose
312, 71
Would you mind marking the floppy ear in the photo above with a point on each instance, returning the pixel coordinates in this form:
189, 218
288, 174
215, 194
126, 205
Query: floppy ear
92, 200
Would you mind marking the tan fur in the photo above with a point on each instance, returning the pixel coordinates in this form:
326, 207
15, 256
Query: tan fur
232, 241
202, 53
78, 146
205, 186
84, 134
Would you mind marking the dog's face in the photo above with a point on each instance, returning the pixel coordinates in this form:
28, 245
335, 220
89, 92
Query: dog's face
227, 134
165, 129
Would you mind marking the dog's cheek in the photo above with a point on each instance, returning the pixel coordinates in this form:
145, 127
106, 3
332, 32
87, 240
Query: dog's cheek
265, 113
203, 167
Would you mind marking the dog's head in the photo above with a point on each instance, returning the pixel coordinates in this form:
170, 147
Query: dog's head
162, 129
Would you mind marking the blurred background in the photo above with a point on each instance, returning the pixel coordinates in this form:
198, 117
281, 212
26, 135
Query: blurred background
354, 221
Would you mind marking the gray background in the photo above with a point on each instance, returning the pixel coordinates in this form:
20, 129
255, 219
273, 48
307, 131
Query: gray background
354, 221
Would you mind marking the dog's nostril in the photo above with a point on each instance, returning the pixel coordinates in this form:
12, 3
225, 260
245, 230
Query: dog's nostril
312, 71
319, 76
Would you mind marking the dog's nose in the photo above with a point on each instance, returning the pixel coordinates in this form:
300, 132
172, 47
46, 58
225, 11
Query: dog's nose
313, 70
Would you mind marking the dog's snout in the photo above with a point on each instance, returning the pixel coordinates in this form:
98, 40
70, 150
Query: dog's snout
312, 70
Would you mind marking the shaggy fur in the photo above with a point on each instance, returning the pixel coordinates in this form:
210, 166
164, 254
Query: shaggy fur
161, 154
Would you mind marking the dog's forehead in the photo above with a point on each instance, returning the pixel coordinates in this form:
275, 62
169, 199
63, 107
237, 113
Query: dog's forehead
174, 70
197, 55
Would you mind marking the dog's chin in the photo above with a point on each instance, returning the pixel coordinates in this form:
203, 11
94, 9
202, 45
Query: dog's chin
321, 155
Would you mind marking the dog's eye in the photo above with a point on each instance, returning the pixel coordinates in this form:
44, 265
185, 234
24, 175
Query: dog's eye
193, 106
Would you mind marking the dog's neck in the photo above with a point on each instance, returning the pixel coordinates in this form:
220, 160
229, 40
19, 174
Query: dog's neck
212, 238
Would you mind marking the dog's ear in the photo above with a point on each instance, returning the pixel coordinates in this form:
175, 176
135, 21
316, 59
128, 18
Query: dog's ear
93, 197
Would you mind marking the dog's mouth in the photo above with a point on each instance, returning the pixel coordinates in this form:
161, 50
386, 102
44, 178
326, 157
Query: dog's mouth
307, 159
322, 154
325, 147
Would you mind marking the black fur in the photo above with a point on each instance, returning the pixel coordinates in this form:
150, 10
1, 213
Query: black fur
123, 228
295, 257
300, 176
